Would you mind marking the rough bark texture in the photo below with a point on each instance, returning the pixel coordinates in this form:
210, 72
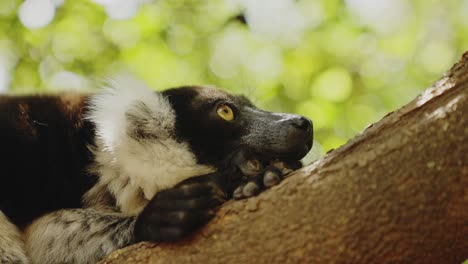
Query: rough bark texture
396, 193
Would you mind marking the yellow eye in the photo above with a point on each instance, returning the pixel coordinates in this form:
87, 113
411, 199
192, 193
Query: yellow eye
225, 112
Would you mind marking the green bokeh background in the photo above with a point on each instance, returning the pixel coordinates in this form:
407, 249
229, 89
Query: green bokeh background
344, 64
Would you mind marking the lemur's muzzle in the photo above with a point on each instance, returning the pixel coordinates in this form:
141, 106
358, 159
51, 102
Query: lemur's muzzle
299, 137
285, 136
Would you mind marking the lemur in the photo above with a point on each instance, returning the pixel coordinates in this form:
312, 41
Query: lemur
85, 174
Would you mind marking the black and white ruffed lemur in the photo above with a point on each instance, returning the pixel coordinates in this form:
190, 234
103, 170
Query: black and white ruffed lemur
84, 175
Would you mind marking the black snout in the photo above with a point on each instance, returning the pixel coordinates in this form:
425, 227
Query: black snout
300, 131
300, 136
303, 123
284, 136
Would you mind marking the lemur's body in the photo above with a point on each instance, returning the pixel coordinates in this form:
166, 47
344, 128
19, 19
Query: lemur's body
80, 172
44, 155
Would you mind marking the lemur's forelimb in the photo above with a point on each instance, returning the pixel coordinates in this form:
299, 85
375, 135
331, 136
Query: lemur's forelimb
177, 212
87, 235
77, 236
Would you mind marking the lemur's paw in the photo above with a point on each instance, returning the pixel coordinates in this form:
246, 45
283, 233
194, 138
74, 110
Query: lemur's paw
175, 213
258, 177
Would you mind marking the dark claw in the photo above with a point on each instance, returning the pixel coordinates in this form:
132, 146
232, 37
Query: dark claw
238, 193
246, 190
247, 163
251, 167
271, 177
286, 167
250, 189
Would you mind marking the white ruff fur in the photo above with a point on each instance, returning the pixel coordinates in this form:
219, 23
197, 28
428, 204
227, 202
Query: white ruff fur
135, 170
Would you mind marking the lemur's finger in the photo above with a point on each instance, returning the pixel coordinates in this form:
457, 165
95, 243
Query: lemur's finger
286, 167
246, 190
238, 193
252, 187
282, 166
272, 176
251, 167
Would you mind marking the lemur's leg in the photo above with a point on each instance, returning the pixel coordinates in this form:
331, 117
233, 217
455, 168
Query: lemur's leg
11, 244
77, 236
87, 235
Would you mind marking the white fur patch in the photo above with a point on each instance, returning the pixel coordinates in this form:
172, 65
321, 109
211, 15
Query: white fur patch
135, 170
11, 244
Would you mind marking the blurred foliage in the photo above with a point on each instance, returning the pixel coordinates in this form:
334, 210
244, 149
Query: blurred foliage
344, 63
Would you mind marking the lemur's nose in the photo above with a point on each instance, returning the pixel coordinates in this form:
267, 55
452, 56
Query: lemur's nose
303, 123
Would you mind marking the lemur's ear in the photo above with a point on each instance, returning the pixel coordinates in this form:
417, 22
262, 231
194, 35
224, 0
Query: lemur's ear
129, 109
145, 123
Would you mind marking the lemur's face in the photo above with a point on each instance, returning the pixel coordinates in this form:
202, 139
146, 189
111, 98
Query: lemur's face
217, 124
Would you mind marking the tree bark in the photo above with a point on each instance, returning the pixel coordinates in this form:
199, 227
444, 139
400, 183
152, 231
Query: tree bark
396, 193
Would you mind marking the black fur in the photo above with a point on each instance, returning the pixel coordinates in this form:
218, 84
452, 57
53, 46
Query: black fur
44, 155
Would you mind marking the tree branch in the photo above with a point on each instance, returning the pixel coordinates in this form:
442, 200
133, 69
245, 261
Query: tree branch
397, 192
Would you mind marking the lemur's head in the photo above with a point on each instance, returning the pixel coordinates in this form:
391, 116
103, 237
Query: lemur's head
216, 123
154, 140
